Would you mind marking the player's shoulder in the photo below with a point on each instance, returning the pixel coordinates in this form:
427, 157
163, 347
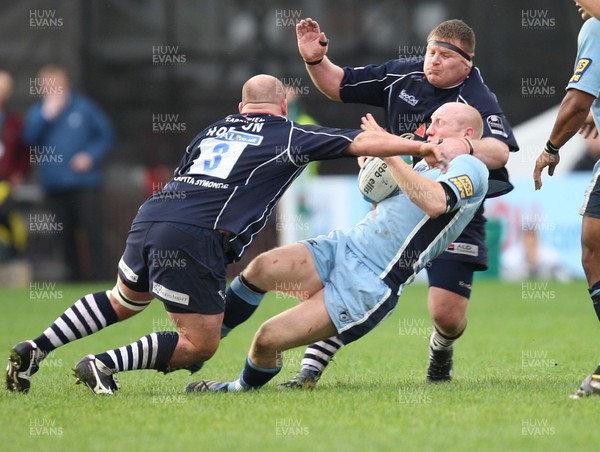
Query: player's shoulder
315, 133
472, 167
475, 83
477, 94
470, 161
403, 66
396, 66
467, 176
591, 27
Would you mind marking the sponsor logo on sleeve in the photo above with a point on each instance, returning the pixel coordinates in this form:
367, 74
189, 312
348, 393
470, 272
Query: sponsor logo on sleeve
496, 126
582, 66
464, 186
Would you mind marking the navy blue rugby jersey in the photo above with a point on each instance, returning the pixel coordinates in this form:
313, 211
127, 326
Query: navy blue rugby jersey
235, 171
400, 87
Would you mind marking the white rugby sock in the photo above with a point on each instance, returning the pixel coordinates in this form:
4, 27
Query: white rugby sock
437, 341
317, 356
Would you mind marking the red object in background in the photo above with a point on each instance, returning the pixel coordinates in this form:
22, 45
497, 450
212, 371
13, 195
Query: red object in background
156, 178
14, 158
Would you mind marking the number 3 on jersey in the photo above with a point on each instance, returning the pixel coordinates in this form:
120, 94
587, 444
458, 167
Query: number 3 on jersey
217, 157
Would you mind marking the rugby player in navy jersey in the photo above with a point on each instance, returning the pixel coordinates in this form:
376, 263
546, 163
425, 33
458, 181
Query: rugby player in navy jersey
410, 90
182, 238
349, 282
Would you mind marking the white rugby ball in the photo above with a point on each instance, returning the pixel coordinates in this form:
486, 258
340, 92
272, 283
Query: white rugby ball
375, 181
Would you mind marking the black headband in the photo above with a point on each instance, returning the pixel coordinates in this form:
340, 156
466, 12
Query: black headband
452, 47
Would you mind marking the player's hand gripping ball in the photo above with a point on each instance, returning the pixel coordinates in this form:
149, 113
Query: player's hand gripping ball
375, 180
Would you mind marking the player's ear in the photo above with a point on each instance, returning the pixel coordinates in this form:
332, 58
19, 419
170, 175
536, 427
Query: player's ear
240, 106
469, 133
284, 107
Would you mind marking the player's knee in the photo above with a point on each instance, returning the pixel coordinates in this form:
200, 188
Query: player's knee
205, 353
201, 352
197, 347
589, 256
259, 264
260, 271
448, 322
264, 340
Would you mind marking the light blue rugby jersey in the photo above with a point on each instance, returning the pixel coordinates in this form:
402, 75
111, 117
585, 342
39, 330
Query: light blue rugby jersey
586, 75
397, 239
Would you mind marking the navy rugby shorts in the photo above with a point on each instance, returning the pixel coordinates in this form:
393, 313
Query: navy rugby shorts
182, 265
454, 276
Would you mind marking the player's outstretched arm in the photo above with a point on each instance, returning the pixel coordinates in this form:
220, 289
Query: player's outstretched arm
383, 144
374, 141
492, 152
313, 45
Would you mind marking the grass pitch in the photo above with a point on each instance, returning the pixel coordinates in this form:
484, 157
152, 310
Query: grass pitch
527, 347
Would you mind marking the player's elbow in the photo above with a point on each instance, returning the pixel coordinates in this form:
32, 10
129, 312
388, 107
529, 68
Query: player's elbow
333, 95
577, 103
503, 155
436, 203
435, 209
331, 90
497, 155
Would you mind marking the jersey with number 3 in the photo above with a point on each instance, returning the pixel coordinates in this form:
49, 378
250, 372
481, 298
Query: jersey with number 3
235, 171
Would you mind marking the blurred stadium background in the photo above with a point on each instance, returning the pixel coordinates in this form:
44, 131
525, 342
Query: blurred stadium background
180, 64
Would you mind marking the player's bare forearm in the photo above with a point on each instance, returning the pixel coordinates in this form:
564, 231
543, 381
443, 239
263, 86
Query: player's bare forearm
492, 152
313, 45
376, 142
327, 77
572, 114
383, 144
426, 193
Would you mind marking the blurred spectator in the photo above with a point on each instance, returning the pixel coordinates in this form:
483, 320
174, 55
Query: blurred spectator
14, 165
530, 259
69, 135
592, 152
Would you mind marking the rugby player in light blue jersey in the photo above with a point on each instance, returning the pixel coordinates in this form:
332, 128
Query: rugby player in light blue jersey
580, 101
350, 282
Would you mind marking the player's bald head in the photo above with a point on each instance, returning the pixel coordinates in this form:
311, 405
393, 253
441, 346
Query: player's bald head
464, 116
263, 89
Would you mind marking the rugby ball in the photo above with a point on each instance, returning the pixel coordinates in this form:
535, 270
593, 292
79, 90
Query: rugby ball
375, 181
